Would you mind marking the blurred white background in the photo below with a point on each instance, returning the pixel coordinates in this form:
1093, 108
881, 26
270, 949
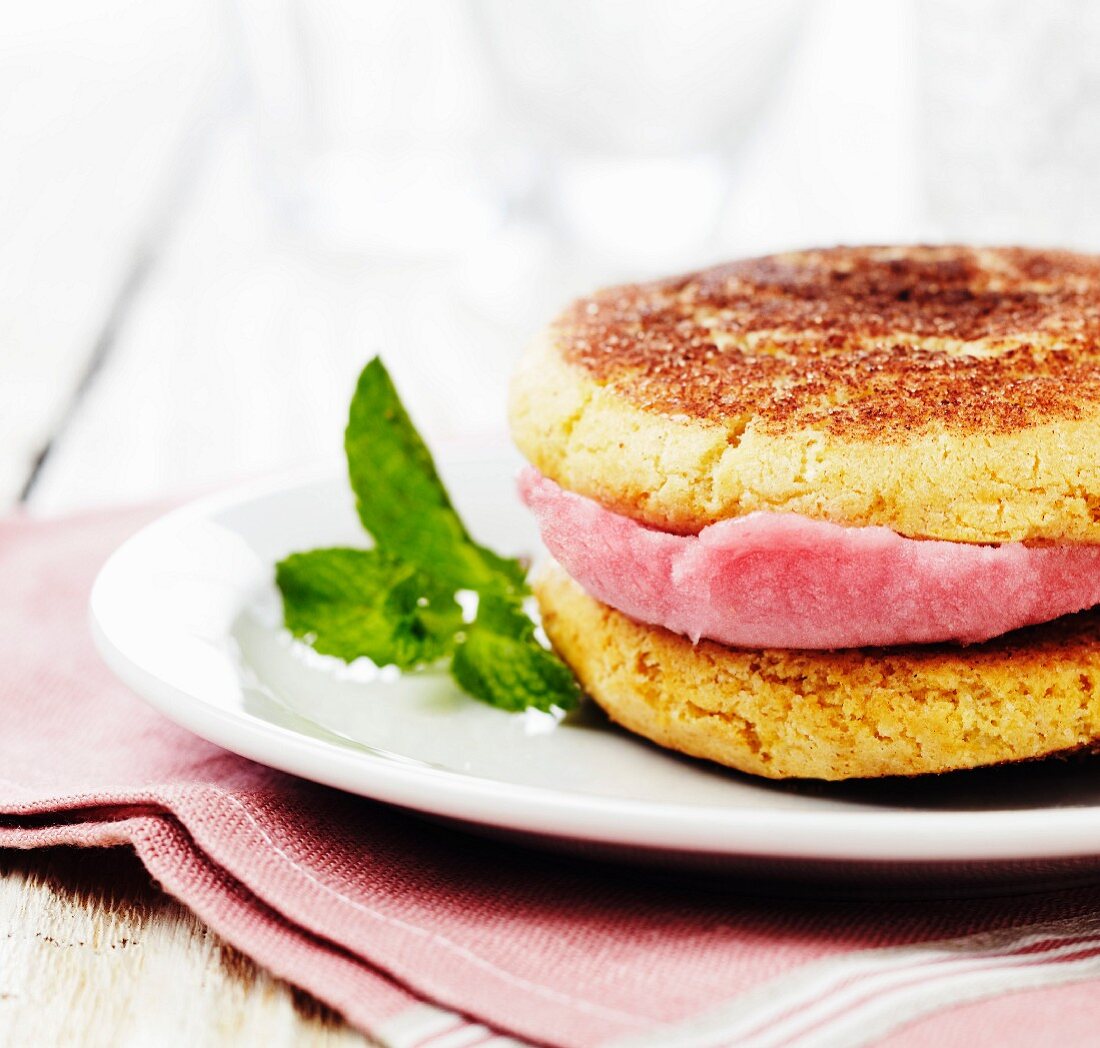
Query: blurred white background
212, 212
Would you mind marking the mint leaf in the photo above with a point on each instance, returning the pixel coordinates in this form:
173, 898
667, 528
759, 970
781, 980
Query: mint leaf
400, 498
395, 604
501, 662
352, 602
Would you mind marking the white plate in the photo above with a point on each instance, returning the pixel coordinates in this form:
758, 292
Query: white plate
186, 613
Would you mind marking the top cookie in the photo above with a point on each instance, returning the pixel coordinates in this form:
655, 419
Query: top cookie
944, 392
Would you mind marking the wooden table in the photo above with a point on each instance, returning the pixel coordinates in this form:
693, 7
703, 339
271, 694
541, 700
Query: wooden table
92, 953
145, 348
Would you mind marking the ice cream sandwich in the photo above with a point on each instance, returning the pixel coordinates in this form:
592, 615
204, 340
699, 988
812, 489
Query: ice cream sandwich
828, 514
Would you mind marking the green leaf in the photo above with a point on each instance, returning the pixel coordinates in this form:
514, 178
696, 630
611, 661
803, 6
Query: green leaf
400, 498
352, 603
395, 604
501, 662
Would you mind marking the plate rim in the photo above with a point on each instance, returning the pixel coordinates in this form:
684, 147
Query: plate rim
895, 836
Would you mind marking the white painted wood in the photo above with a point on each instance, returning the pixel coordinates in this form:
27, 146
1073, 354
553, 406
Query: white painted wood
241, 354
97, 104
93, 955
100, 107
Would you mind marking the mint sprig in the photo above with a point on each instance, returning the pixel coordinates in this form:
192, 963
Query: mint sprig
396, 603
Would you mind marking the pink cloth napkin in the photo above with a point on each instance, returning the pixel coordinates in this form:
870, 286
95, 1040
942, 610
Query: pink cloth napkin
424, 936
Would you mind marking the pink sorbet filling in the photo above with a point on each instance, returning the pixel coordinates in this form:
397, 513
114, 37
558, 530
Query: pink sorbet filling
781, 580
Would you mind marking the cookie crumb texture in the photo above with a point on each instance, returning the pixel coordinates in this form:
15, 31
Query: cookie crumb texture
834, 715
943, 392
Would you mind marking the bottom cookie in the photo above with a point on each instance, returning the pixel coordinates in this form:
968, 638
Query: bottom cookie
834, 714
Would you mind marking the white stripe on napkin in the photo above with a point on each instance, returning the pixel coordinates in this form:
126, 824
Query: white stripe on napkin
852, 998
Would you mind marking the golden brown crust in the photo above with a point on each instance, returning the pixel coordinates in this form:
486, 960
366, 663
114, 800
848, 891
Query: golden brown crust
948, 393
835, 715
861, 342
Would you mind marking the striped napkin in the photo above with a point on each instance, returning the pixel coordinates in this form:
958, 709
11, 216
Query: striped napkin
423, 936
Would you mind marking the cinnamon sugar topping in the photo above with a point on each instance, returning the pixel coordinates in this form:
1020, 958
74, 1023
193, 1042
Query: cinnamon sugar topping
862, 342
